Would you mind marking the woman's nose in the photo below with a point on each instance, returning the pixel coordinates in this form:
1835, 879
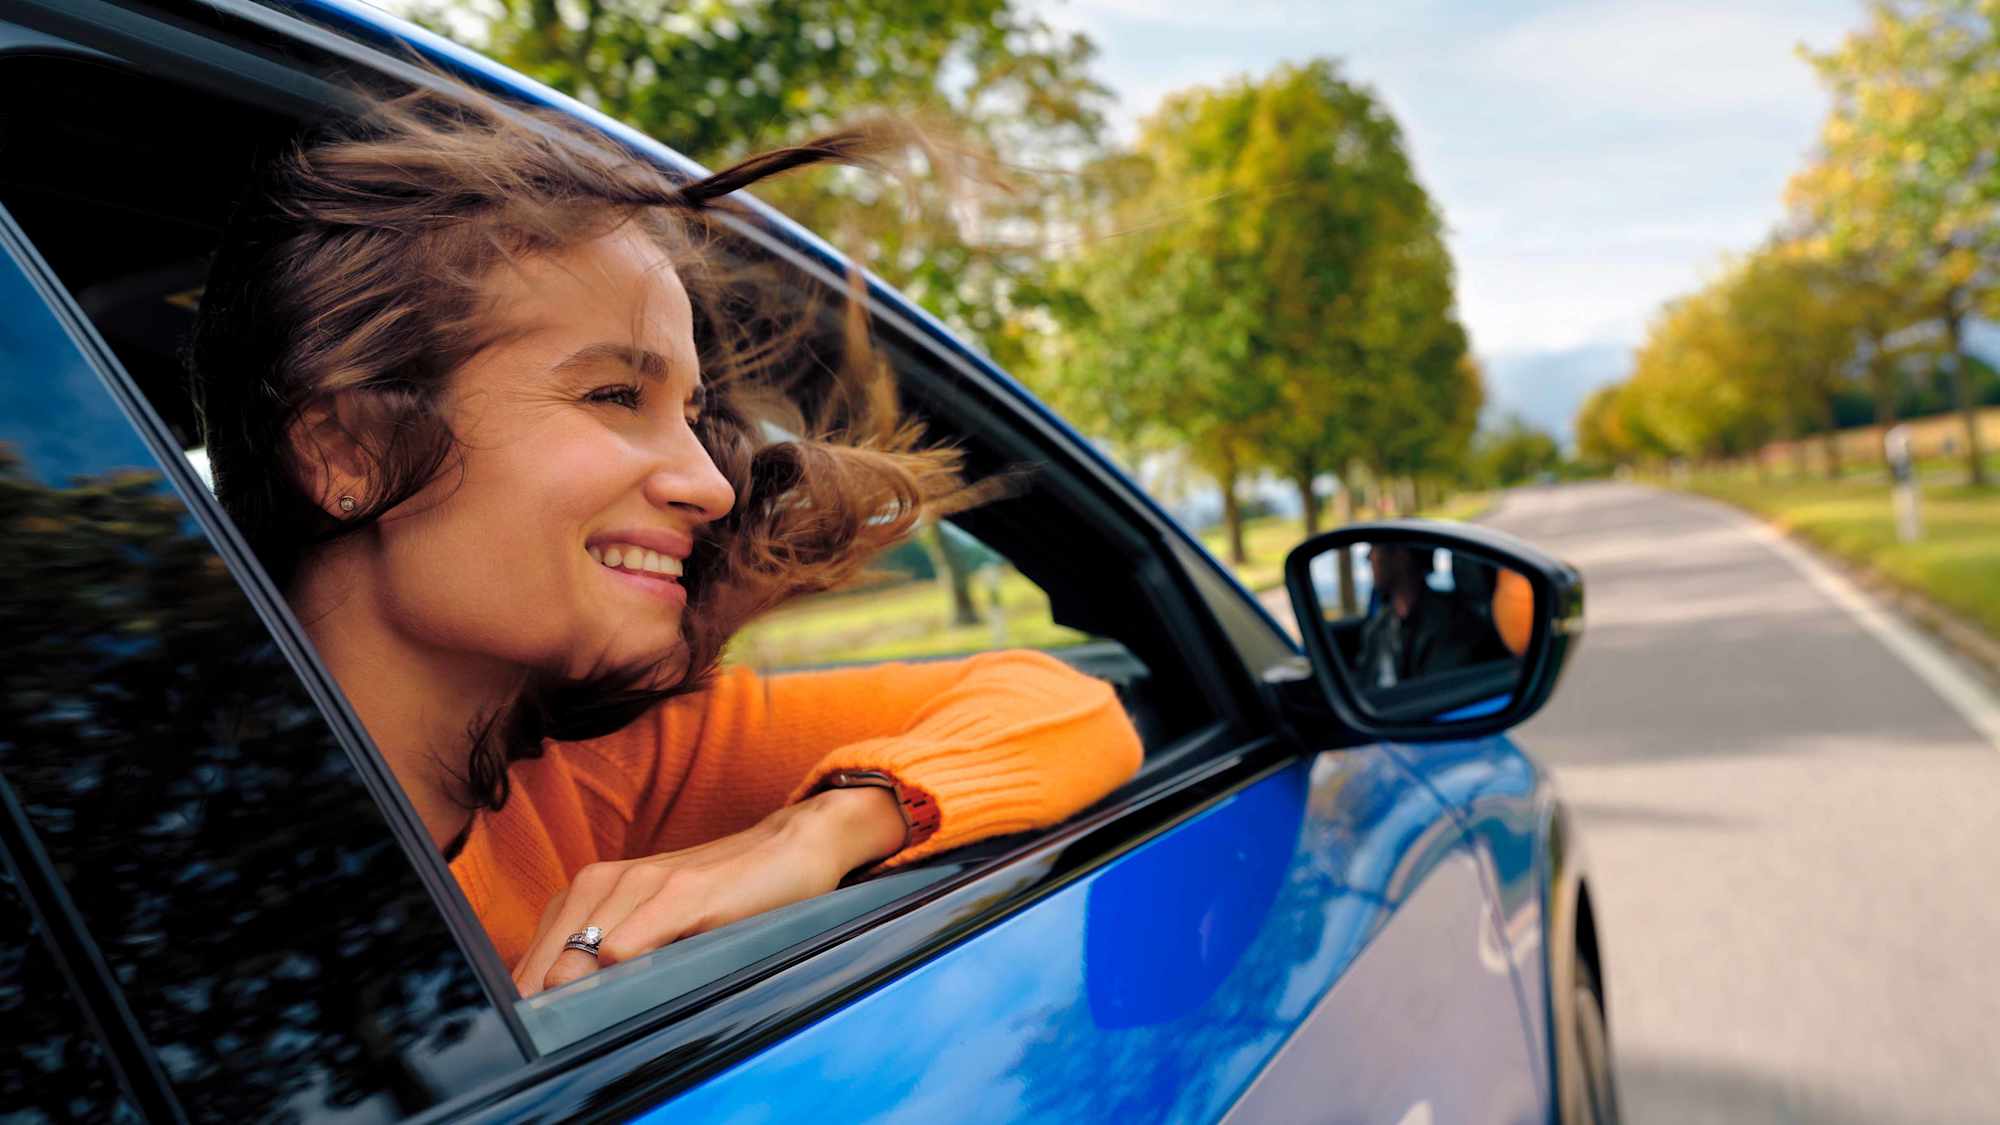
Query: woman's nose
687, 479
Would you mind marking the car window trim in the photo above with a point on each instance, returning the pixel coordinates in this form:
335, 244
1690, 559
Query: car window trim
400, 816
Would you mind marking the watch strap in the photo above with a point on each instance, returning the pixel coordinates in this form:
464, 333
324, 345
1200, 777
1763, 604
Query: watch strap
920, 813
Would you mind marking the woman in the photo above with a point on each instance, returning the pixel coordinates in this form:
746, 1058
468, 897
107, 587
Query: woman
490, 401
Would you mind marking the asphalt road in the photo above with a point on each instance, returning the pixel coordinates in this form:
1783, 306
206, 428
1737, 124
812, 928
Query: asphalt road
1794, 838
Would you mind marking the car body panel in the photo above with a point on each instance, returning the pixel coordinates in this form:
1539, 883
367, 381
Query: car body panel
1332, 904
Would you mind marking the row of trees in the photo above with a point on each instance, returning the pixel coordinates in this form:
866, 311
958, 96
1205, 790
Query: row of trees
1258, 284
1892, 245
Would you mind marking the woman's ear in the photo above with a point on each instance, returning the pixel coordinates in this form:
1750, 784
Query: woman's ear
331, 453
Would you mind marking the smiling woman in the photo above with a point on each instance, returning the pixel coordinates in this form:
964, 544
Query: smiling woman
493, 403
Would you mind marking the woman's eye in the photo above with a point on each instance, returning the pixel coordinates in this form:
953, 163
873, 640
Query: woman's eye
624, 394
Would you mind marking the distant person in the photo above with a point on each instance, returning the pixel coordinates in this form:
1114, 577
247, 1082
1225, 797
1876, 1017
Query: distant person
1414, 630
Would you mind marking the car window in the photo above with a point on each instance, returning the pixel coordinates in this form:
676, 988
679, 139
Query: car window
1041, 569
274, 946
53, 1067
942, 593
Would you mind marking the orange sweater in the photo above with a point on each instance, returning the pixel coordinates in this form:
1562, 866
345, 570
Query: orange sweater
1003, 742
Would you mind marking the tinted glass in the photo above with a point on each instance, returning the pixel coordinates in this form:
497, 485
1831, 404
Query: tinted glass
52, 1068
269, 934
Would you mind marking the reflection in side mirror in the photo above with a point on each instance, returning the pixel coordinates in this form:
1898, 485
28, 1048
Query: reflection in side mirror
1424, 630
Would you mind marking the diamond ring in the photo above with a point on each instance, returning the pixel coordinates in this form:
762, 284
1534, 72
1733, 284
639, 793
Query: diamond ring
585, 940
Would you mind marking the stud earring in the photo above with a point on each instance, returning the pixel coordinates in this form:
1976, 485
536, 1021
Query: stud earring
347, 503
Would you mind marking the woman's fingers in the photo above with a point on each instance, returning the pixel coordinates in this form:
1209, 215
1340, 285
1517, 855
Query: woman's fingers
581, 906
569, 965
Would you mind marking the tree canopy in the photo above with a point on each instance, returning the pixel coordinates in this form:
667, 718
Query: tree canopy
1269, 291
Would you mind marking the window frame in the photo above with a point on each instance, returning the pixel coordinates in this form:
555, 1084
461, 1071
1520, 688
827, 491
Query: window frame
275, 615
676, 1043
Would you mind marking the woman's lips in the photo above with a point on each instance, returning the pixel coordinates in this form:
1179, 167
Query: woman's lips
653, 585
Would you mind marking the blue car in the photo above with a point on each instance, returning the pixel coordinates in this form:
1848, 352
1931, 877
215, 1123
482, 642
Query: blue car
1334, 891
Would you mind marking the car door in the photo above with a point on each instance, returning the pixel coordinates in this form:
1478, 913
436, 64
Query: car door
1255, 923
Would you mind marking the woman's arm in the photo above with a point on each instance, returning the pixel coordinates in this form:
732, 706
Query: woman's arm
1002, 742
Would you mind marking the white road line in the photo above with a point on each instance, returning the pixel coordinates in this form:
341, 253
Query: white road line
1919, 653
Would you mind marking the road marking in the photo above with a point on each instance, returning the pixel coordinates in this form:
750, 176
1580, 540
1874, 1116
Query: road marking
1919, 653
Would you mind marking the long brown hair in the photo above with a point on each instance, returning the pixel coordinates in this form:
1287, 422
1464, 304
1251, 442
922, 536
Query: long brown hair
355, 264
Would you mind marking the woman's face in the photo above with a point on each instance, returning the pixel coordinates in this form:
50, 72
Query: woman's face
584, 487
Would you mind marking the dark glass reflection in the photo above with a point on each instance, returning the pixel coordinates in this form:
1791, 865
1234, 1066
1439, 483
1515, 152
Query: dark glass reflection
52, 1068
272, 940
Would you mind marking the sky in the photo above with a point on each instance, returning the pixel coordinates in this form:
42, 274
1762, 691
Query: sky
1591, 159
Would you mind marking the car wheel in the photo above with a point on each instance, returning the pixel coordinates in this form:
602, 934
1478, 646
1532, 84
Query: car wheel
1593, 1048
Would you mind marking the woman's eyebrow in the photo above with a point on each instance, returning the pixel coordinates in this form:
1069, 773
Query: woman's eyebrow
645, 361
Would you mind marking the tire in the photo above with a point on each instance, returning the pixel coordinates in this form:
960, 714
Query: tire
1593, 1048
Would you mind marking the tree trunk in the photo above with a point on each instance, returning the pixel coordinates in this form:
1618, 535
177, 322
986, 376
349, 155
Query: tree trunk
1343, 513
956, 576
1830, 439
1882, 381
1961, 389
1232, 509
1308, 503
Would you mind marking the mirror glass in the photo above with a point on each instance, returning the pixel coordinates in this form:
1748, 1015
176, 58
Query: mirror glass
1423, 633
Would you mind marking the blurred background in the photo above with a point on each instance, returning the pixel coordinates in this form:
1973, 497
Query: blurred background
1579, 270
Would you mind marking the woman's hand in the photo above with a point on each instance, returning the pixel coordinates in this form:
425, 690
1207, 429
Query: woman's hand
799, 851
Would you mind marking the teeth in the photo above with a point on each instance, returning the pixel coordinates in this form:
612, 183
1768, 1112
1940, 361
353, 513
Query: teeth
624, 556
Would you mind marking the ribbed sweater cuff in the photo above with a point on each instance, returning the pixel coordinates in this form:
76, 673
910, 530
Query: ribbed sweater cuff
976, 796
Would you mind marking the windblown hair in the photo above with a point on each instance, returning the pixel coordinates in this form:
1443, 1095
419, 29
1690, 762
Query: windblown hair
354, 267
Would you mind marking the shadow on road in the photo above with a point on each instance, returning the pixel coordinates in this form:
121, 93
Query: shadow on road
1657, 1090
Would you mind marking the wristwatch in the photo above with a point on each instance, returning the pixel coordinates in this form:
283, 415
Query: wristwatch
920, 813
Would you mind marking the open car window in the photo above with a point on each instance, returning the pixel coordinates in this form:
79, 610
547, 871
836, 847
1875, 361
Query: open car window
1041, 569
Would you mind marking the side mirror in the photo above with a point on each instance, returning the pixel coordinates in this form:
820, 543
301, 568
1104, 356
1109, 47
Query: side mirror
1419, 631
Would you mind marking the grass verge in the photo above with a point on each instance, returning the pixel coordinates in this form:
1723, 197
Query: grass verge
1955, 564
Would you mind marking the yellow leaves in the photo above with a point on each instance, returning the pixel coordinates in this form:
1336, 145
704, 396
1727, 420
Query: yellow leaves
1958, 267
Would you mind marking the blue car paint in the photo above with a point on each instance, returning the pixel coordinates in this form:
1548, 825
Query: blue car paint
1321, 944
1504, 801
1334, 899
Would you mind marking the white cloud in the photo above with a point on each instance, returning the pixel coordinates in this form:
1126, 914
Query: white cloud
1664, 60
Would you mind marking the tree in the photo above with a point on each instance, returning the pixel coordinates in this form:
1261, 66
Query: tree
1514, 453
1905, 172
1269, 290
994, 83
1799, 335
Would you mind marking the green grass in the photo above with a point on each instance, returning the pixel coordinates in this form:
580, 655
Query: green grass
909, 619
1266, 541
1956, 563
913, 619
